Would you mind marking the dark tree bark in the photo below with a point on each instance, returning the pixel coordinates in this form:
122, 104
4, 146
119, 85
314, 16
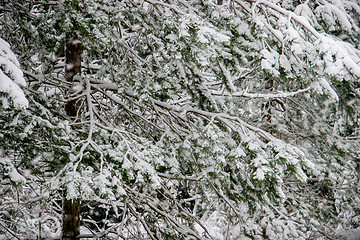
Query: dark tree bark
267, 107
73, 59
72, 68
71, 219
269, 84
71, 207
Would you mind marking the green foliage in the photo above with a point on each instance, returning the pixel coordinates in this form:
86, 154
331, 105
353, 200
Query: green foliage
175, 125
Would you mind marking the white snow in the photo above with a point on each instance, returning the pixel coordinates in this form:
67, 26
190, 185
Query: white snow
8, 86
352, 234
217, 36
237, 152
10, 171
12, 66
323, 87
284, 62
331, 13
11, 75
259, 174
304, 11
351, 65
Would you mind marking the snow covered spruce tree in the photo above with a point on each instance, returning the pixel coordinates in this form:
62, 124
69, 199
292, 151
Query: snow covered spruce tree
182, 119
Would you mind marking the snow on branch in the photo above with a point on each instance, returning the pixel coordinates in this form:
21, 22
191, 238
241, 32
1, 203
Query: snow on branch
11, 76
289, 14
271, 95
225, 118
9, 170
343, 56
171, 7
249, 134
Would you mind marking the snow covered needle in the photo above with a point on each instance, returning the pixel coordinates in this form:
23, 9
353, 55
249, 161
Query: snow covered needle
11, 77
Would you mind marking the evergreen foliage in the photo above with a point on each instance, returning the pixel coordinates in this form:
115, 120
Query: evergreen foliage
234, 119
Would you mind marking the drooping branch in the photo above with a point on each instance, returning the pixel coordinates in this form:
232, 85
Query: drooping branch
232, 122
350, 59
284, 12
171, 7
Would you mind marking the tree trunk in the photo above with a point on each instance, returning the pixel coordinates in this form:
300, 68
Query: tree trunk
71, 219
73, 59
72, 68
71, 207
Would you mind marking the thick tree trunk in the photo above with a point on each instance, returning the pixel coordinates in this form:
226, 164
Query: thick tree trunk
71, 208
71, 219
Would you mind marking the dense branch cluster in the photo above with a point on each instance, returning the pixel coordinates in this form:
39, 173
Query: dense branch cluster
189, 120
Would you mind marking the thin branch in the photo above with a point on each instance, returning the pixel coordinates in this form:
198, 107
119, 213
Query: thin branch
171, 7
225, 199
187, 178
285, 12
278, 94
8, 230
186, 212
218, 116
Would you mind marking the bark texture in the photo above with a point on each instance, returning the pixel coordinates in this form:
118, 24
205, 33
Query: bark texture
73, 59
71, 219
71, 208
72, 68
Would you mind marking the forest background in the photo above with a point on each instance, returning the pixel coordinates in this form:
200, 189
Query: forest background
202, 119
